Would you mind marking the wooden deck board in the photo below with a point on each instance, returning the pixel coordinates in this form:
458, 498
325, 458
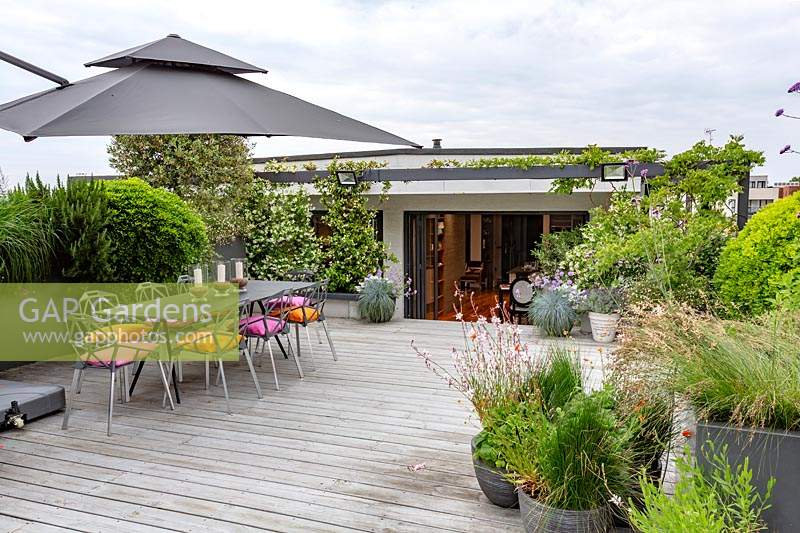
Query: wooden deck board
328, 453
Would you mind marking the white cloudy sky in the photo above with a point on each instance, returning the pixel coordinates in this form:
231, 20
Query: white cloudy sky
544, 73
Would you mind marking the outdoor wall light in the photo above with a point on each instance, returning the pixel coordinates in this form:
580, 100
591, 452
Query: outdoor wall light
347, 177
613, 172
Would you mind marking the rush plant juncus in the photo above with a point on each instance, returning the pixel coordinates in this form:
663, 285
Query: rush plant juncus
494, 365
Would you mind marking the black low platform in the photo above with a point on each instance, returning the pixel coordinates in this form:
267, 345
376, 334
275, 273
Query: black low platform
35, 400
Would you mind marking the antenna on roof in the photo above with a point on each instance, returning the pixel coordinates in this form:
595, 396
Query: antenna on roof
30, 67
710, 133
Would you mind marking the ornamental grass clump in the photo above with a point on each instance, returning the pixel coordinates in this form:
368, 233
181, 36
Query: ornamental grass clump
378, 293
743, 373
552, 311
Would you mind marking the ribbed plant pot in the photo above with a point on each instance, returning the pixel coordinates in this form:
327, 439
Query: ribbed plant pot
386, 316
771, 454
604, 327
540, 518
499, 490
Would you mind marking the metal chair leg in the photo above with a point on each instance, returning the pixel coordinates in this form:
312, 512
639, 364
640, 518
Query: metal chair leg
297, 338
73, 390
294, 355
272, 360
253, 372
80, 380
180, 371
310, 349
330, 341
319, 336
126, 397
208, 377
111, 400
165, 382
224, 387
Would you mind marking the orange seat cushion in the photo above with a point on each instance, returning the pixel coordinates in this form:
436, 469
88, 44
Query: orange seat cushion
209, 342
298, 315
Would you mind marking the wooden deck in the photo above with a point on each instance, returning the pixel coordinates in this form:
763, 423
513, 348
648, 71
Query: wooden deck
329, 453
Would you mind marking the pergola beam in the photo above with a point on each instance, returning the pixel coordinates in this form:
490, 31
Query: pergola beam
544, 172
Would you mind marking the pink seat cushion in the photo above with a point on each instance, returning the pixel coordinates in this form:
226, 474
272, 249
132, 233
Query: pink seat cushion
288, 301
256, 326
125, 355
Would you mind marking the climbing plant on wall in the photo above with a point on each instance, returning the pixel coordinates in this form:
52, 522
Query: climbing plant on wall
281, 237
352, 250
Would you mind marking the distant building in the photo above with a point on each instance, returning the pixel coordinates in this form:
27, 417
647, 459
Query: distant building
763, 194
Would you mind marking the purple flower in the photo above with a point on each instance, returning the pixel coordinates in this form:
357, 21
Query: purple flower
779, 112
787, 148
794, 88
643, 173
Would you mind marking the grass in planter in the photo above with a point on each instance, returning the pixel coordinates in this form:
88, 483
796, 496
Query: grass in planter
582, 456
376, 299
746, 373
559, 380
726, 501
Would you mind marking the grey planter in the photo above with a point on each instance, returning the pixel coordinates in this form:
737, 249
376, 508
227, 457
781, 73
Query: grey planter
539, 518
772, 454
499, 490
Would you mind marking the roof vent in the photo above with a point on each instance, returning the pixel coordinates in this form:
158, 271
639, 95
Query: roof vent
437, 144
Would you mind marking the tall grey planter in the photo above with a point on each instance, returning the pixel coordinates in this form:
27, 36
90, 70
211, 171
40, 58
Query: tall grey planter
772, 454
539, 518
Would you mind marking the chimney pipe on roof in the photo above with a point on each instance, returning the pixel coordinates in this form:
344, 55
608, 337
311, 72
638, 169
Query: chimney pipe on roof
437, 144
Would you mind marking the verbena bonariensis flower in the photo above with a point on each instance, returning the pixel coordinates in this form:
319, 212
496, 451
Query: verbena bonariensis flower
779, 112
794, 88
493, 365
787, 148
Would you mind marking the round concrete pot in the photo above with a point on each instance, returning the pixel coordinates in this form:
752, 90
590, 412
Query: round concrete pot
604, 327
499, 490
540, 518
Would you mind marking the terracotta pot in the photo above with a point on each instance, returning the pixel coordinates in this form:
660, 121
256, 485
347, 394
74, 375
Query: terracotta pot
540, 518
499, 490
604, 326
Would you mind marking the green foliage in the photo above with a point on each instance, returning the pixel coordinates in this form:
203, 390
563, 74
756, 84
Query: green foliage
352, 251
723, 500
553, 312
376, 299
551, 254
211, 172
582, 455
559, 380
25, 240
155, 235
76, 215
603, 300
664, 246
280, 236
763, 261
744, 373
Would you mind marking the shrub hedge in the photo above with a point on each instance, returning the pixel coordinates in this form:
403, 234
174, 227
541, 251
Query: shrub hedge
155, 235
763, 260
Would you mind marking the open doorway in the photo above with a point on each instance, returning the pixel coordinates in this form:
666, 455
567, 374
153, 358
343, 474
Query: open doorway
476, 252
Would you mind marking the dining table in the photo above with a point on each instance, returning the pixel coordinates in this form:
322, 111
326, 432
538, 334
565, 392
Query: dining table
255, 291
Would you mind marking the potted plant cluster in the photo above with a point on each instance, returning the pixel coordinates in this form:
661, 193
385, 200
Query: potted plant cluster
603, 306
563, 454
491, 371
377, 296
